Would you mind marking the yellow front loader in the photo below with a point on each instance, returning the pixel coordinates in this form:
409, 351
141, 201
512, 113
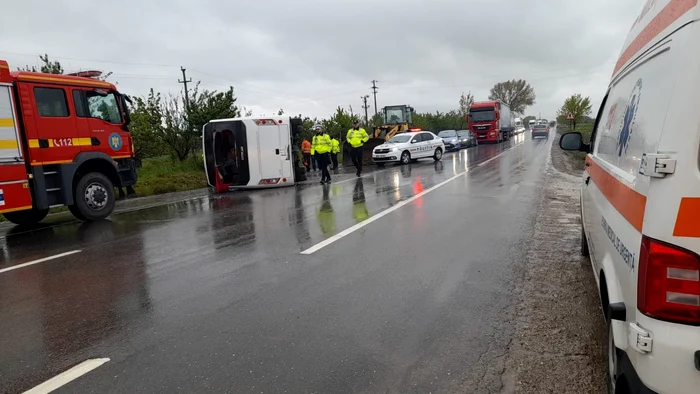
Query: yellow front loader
397, 119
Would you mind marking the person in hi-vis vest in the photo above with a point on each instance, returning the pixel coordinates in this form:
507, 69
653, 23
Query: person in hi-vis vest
322, 146
357, 136
335, 149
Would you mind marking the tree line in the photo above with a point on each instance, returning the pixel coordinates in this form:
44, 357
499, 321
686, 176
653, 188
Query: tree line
171, 124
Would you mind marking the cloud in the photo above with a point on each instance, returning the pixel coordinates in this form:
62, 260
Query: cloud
310, 56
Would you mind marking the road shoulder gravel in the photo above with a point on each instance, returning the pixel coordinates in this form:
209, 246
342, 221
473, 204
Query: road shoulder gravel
560, 334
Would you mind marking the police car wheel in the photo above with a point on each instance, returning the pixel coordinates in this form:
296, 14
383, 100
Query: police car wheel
405, 157
438, 154
26, 218
94, 196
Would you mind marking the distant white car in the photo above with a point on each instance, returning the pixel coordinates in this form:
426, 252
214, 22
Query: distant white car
406, 147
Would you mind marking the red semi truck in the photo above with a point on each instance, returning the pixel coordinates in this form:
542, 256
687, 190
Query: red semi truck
490, 121
64, 141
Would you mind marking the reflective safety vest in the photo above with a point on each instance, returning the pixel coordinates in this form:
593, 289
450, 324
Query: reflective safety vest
357, 138
322, 144
306, 147
335, 146
360, 211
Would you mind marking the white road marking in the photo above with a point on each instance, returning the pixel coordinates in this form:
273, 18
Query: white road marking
14, 267
67, 376
389, 210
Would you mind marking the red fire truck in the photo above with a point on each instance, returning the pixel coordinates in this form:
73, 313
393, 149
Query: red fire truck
490, 121
64, 140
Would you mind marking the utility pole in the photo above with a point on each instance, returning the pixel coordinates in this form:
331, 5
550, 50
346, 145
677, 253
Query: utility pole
366, 107
184, 82
374, 92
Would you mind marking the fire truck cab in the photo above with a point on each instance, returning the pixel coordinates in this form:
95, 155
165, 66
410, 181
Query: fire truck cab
64, 141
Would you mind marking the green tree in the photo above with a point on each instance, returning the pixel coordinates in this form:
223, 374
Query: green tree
517, 94
206, 105
464, 103
147, 126
576, 106
338, 124
377, 120
526, 121
47, 66
176, 131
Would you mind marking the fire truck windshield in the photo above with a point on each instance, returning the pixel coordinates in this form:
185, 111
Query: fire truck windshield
104, 106
481, 115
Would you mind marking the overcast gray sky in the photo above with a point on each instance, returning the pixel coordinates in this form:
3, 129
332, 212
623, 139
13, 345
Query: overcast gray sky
310, 56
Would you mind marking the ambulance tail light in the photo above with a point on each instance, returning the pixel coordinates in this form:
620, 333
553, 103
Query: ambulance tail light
269, 181
669, 283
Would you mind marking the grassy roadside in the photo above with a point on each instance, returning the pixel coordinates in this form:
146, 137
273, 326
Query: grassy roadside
161, 175
576, 160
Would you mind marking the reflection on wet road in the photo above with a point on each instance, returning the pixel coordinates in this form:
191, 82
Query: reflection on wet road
212, 294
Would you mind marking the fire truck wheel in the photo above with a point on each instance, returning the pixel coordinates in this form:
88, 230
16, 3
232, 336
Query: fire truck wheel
26, 218
94, 196
76, 212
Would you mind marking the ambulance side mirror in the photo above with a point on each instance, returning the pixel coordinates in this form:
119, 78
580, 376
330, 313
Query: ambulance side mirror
573, 141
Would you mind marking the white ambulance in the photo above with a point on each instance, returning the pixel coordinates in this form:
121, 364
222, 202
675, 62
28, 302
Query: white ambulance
640, 203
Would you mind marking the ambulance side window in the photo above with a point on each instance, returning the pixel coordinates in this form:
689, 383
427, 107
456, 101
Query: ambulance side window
51, 102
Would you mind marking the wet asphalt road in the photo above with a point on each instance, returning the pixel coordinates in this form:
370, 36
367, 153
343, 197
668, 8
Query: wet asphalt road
213, 295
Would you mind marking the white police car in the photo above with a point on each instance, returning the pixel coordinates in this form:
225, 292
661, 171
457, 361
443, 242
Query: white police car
409, 146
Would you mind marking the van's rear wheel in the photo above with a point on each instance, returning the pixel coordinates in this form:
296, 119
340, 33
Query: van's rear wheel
94, 197
28, 217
